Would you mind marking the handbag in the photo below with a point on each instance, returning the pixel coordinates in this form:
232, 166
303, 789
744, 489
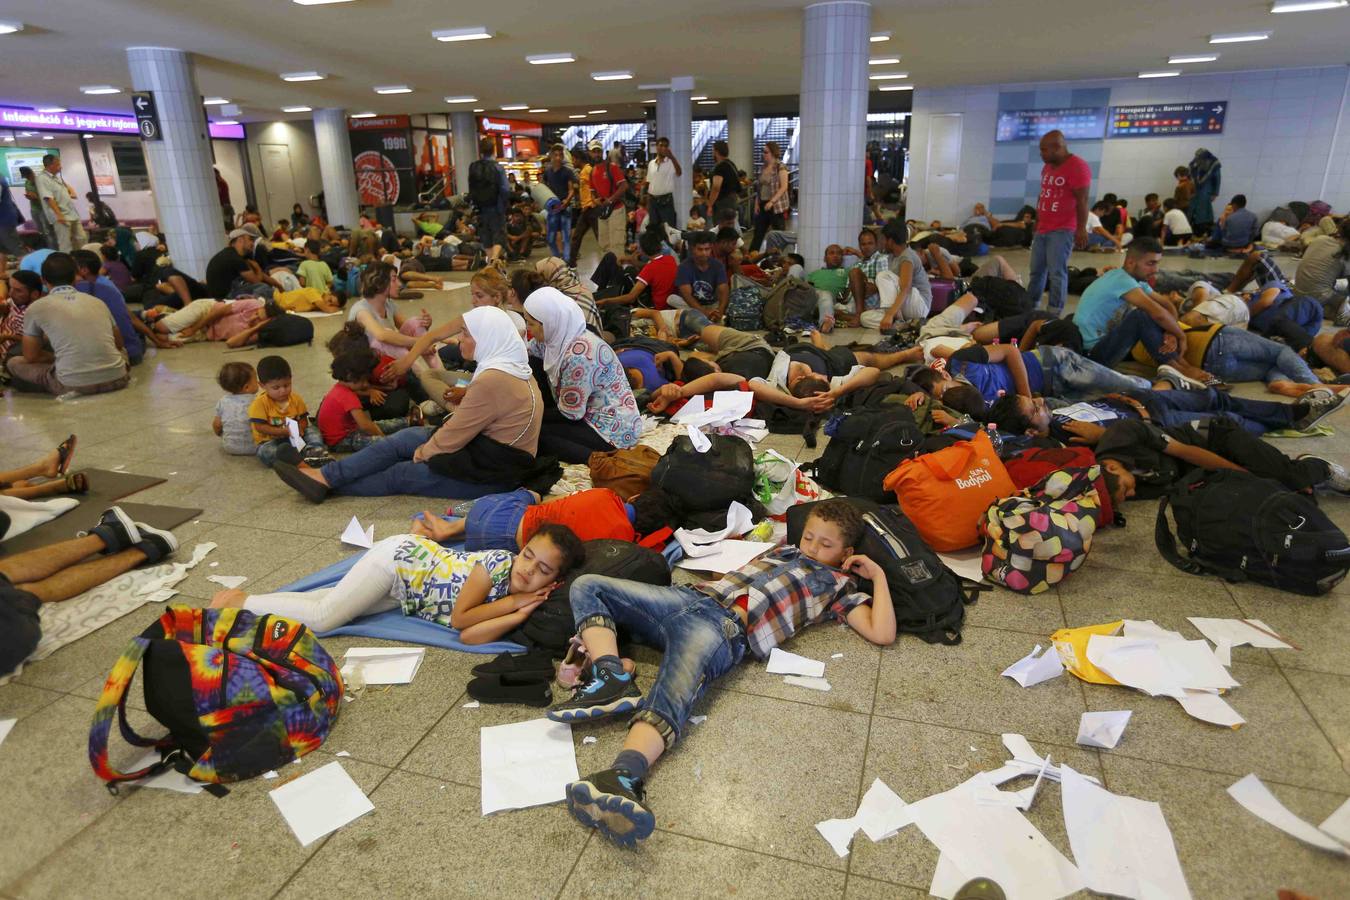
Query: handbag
625, 472
946, 493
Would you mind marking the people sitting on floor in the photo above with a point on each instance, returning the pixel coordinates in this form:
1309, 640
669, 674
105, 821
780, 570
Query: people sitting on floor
233, 272
343, 421
313, 271
1149, 222
1237, 230
280, 419
24, 288
701, 282
911, 296
1100, 238
1326, 260
1176, 228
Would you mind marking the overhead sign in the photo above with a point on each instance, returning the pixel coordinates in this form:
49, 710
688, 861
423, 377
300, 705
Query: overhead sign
1167, 119
1077, 123
378, 123
23, 118
147, 119
510, 126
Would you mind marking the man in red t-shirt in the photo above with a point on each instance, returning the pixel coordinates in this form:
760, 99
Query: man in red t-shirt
657, 277
610, 187
1061, 220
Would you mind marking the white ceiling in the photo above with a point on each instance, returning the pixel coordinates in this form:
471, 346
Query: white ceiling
734, 48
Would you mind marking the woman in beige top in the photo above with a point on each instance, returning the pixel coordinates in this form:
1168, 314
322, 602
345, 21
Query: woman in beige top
502, 402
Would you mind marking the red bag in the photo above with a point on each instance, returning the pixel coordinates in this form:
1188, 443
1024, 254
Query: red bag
1030, 466
946, 493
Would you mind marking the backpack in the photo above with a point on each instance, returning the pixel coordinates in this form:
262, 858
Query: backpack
1080, 279
945, 494
929, 600
484, 185
745, 306
552, 625
286, 330
705, 482
1029, 466
1000, 298
1035, 539
1284, 215
1242, 527
866, 447
791, 298
241, 694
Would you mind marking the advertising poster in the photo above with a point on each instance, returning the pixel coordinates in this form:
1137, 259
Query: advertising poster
383, 159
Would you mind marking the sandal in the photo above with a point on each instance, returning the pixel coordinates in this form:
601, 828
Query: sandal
77, 483
575, 664
65, 452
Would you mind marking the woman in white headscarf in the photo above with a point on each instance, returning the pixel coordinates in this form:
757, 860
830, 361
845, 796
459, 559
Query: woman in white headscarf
595, 409
502, 402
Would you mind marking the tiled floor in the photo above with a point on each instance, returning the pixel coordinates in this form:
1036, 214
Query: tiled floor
737, 802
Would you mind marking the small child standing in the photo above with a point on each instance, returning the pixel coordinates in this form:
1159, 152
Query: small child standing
268, 414
231, 424
344, 423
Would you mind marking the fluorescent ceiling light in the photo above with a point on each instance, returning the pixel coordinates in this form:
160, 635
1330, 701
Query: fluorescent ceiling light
884, 61
394, 89
364, 115
461, 99
297, 109
1288, 6
611, 76
707, 102
214, 101
100, 89
880, 37
889, 76
47, 137
479, 109
596, 112
226, 122
582, 116
896, 87
9, 139
653, 100
318, 2
1165, 73
550, 59
699, 97
462, 34
10, 27
1195, 58
515, 107
539, 109
303, 76
51, 109
1239, 38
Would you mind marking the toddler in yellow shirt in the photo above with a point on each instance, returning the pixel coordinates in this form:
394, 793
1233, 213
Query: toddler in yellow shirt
267, 416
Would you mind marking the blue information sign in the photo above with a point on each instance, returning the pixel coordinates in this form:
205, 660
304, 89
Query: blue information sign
1077, 123
1167, 119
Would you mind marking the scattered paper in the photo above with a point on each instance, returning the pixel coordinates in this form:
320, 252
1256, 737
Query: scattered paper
781, 662
694, 406
1338, 823
227, 581
1122, 845
526, 764
880, 815
1149, 630
472, 704
120, 467
807, 681
383, 665
1025, 761
320, 802
1032, 669
1257, 799
727, 407
947, 878
168, 780
1223, 651
1103, 729
701, 542
358, 537
6, 726
342, 753
589, 739
1159, 666
697, 720
727, 556
214, 564
1239, 632
836, 656
270, 774
1210, 707
964, 564
698, 439
293, 434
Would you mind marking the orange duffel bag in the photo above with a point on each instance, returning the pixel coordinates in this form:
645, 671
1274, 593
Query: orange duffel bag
945, 494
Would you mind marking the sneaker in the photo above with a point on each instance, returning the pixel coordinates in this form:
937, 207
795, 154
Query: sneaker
1173, 376
612, 803
1338, 479
1320, 403
606, 694
116, 529
156, 543
316, 458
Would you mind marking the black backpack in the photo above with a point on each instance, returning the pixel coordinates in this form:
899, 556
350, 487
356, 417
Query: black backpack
866, 447
286, 330
1242, 527
551, 625
484, 185
929, 600
702, 482
1000, 298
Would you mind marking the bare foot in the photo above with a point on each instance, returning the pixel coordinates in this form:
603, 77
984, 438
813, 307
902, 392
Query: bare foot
51, 464
232, 598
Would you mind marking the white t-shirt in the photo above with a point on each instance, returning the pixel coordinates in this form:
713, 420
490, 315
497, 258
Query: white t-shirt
778, 373
1225, 309
1093, 222
660, 177
1176, 222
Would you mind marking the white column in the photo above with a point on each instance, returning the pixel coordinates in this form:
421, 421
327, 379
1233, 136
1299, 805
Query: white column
335, 167
673, 121
741, 133
464, 134
186, 202
833, 126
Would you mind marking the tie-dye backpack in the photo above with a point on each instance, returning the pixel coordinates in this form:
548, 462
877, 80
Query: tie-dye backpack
1036, 538
240, 694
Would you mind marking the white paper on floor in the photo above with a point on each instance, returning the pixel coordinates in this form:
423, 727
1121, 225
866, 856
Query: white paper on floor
698, 439
168, 780
227, 581
472, 704
694, 406
1257, 799
383, 665
807, 681
526, 764
1338, 823
1208, 706
1159, 666
1032, 669
964, 564
1103, 729
1025, 761
880, 815
1239, 632
782, 662
727, 556
320, 802
357, 536
1122, 845
702, 542
727, 407
6, 726
697, 720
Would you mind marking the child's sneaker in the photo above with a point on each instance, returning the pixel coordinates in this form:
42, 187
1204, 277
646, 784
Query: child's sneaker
156, 543
1338, 479
612, 802
315, 458
1320, 403
116, 529
606, 694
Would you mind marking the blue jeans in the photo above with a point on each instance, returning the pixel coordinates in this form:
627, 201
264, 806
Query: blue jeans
1075, 377
1134, 327
267, 450
558, 233
386, 467
1237, 355
1050, 259
359, 440
700, 640
493, 521
1172, 408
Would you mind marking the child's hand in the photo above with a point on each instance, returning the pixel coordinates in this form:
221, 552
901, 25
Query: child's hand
454, 396
864, 567
534, 598
375, 396
425, 318
914, 401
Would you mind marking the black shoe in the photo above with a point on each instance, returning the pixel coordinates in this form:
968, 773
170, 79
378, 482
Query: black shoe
612, 802
1320, 403
527, 689
310, 489
288, 454
156, 543
606, 694
116, 529
535, 661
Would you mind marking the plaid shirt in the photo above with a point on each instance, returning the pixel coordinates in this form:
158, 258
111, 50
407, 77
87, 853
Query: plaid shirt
786, 592
875, 263
1268, 274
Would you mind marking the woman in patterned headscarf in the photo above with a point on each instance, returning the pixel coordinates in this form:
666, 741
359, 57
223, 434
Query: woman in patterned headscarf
1205, 175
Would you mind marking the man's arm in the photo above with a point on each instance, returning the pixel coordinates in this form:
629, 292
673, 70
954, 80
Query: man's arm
34, 352
1158, 312
723, 298
714, 381
1199, 456
1080, 197
56, 211
715, 190
1011, 357
678, 171
865, 378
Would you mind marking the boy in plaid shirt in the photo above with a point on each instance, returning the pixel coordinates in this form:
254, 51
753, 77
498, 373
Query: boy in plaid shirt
704, 631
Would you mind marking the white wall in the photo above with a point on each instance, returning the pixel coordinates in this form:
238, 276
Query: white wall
299, 136
1286, 137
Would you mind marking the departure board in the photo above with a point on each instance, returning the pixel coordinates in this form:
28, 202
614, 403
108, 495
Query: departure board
1167, 119
1077, 123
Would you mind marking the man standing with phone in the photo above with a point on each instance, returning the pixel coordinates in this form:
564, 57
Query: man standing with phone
661, 174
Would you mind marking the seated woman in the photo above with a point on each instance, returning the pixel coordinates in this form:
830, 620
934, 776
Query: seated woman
484, 594
593, 409
392, 334
502, 404
391, 391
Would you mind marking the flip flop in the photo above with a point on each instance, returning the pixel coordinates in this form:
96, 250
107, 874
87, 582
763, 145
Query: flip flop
527, 690
308, 488
65, 452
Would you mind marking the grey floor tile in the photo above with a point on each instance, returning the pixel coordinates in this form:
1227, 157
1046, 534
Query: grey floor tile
1318, 625
92, 656
1100, 592
852, 679
869, 889
241, 550
18, 700
1325, 698
1039, 614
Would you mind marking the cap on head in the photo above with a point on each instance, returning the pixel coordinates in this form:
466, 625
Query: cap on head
237, 234
595, 145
